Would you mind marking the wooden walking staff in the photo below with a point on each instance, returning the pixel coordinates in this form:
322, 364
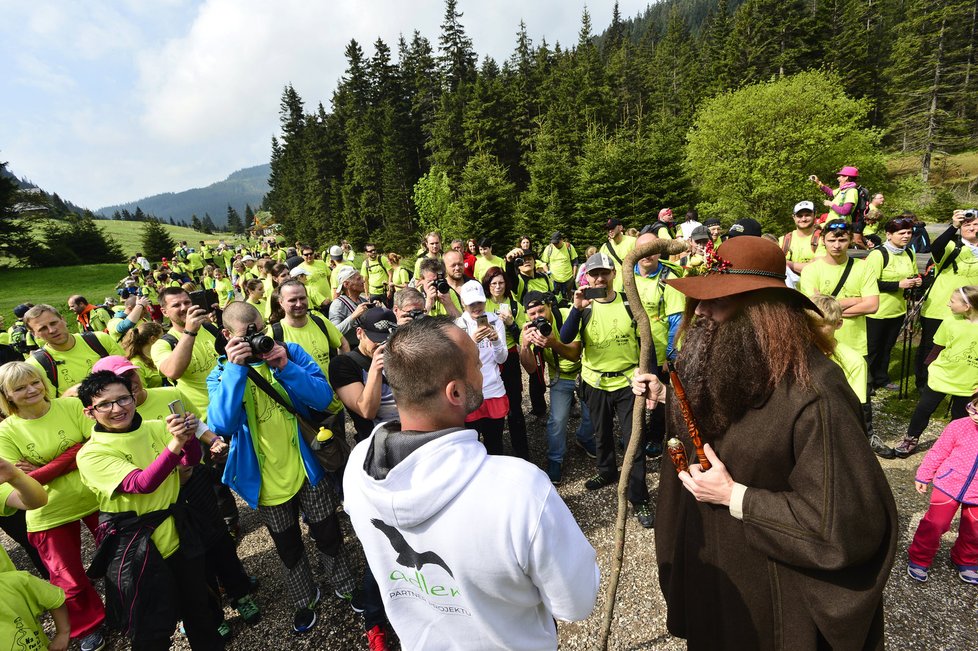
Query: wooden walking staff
645, 357
694, 431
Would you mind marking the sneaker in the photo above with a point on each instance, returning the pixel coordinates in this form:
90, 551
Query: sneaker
968, 574
249, 610
881, 449
553, 471
906, 447
353, 598
305, 617
588, 447
377, 638
224, 630
644, 515
600, 481
917, 572
92, 642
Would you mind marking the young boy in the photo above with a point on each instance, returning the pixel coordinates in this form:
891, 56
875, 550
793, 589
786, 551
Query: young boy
854, 366
153, 570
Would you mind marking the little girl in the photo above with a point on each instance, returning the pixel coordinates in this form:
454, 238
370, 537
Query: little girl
255, 291
953, 366
950, 466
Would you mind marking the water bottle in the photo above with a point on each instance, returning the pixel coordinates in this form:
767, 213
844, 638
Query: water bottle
323, 439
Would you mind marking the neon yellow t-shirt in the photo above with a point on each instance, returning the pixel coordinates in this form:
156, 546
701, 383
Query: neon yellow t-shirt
400, 277
519, 318
955, 371
659, 305
39, 441
157, 403
560, 261
842, 197
935, 307
150, 376
898, 267
610, 345
562, 367
800, 247
375, 274
275, 434
821, 277
319, 275
110, 456
312, 339
23, 598
621, 249
855, 367
75, 364
6, 565
484, 263
225, 291
264, 307
203, 359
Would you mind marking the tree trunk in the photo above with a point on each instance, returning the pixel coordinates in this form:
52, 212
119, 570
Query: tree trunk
932, 111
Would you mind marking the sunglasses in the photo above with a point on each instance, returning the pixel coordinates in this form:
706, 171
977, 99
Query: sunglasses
903, 224
307, 254
370, 250
837, 227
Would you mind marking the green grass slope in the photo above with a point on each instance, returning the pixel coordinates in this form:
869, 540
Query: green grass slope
53, 285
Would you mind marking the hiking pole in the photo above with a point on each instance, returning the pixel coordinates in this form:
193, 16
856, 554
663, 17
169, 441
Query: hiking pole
645, 357
906, 353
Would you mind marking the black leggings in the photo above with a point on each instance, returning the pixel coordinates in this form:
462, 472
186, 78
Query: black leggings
928, 328
881, 337
928, 403
491, 430
512, 376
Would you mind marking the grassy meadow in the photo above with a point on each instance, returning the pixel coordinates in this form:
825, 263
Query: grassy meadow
53, 285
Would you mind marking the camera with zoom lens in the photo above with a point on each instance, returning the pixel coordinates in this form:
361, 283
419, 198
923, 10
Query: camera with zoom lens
971, 213
441, 284
543, 326
261, 344
415, 314
518, 261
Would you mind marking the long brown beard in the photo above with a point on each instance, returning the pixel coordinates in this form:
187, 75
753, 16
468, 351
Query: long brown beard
724, 372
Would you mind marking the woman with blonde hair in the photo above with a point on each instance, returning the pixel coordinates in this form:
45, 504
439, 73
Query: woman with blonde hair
137, 344
399, 275
41, 434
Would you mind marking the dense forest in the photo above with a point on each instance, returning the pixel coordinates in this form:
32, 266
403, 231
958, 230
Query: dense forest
423, 135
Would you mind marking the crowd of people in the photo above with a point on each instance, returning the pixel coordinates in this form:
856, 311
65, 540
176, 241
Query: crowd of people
232, 370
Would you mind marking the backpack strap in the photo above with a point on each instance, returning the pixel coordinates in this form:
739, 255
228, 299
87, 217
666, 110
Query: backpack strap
48, 365
842, 281
278, 334
93, 343
319, 323
611, 251
170, 339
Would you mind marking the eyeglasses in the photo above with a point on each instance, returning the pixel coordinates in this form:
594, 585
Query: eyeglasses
971, 408
370, 250
106, 407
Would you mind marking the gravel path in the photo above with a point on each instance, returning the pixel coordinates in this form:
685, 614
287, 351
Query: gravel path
940, 614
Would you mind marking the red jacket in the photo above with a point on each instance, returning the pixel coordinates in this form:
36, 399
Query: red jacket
952, 464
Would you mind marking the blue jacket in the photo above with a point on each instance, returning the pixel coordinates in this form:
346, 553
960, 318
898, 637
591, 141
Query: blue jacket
307, 389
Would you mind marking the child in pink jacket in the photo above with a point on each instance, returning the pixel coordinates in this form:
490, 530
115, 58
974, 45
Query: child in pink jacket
952, 467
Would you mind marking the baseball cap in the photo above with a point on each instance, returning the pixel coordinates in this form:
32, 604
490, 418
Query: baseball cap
298, 271
336, 252
534, 298
599, 261
472, 292
804, 205
115, 363
665, 212
247, 258
745, 226
711, 221
344, 274
21, 310
378, 323
700, 233
612, 223
556, 237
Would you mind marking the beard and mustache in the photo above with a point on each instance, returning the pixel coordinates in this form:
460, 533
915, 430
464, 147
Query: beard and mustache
725, 373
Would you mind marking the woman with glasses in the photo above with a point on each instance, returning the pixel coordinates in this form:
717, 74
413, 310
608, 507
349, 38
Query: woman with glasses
894, 267
501, 302
40, 436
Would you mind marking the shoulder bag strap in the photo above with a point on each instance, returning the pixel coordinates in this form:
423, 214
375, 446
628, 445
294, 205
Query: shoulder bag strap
842, 281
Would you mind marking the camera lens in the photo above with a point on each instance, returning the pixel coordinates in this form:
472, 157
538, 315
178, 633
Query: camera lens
543, 326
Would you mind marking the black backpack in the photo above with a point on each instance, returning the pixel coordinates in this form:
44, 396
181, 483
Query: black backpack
18, 338
858, 214
50, 366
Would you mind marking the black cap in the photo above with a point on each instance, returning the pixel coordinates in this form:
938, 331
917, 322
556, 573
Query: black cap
712, 221
534, 298
378, 323
21, 310
556, 237
612, 223
745, 226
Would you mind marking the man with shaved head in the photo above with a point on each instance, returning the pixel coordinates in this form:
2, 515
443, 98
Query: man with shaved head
270, 465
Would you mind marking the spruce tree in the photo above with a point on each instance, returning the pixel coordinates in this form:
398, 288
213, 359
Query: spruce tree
16, 241
155, 240
234, 224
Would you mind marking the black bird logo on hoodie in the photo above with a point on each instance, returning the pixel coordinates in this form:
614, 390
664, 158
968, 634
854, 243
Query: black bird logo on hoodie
405, 555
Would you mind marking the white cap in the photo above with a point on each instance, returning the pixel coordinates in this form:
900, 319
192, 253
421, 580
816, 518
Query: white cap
803, 205
472, 292
599, 261
247, 258
344, 274
336, 251
298, 271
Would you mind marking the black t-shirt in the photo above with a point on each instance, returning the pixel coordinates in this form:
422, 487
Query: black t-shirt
349, 368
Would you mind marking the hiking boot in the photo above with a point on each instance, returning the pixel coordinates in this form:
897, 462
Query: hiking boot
249, 610
377, 638
554, 472
600, 481
305, 617
968, 574
917, 572
906, 447
354, 599
92, 642
644, 515
882, 450
588, 447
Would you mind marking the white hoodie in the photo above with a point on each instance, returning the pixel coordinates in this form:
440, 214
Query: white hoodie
500, 554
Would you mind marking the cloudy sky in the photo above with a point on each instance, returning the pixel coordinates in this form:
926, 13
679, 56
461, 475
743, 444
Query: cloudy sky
114, 100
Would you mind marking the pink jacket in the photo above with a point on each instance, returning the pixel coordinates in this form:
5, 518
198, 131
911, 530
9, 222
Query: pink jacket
952, 464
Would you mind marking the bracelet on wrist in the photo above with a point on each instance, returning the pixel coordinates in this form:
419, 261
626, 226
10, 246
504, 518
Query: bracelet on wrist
189, 333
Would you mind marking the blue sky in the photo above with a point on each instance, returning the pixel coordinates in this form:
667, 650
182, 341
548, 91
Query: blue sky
106, 102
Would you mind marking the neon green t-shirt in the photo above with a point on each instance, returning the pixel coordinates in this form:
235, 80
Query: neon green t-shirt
935, 307
561, 367
203, 359
225, 291
76, 363
898, 267
23, 598
375, 274
319, 275
264, 307
821, 277
312, 339
6, 565
621, 249
150, 376
855, 367
157, 403
275, 434
560, 261
955, 371
39, 441
400, 277
519, 318
110, 456
800, 247
842, 197
659, 305
610, 346
484, 263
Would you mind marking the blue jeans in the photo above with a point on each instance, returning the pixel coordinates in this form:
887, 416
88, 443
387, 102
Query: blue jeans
561, 396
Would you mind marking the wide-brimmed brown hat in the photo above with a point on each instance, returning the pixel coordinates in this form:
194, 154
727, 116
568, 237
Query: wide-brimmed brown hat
741, 265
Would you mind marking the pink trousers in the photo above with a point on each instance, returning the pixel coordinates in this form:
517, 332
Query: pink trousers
936, 522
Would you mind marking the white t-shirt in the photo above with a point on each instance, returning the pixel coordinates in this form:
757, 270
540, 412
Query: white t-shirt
492, 353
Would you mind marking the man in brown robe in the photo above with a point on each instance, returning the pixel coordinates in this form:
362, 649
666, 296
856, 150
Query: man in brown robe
787, 541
